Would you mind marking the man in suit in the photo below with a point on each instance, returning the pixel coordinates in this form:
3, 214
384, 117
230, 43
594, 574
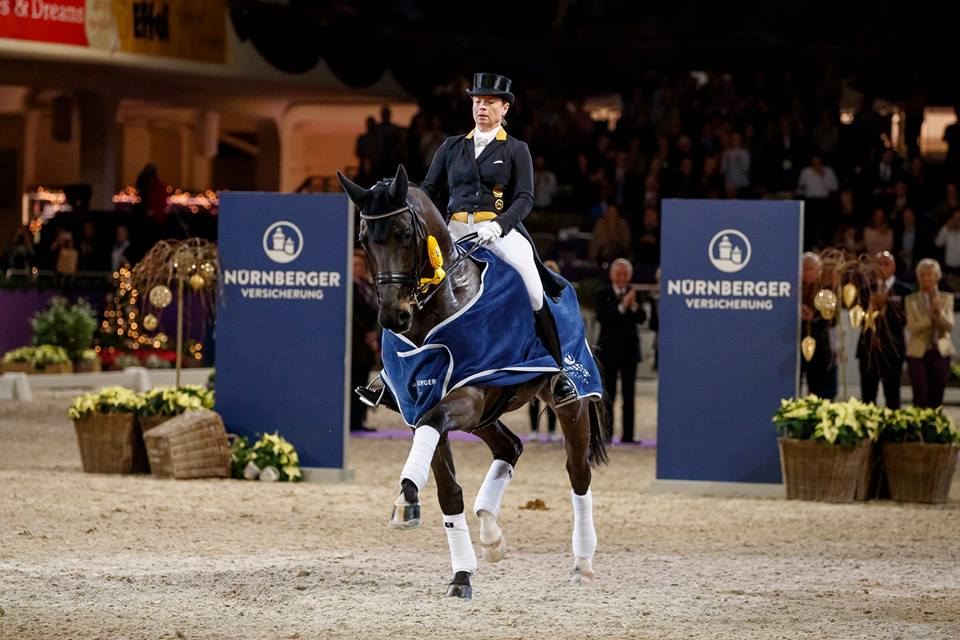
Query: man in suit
881, 349
619, 312
821, 370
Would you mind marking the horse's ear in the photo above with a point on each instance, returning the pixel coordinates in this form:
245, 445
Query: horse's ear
356, 193
398, 186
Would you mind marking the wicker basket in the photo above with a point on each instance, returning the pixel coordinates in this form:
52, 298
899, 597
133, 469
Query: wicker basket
149, 422
110, 443
919, 471
872, 483
59, 367
191, 445
818, 471
18, 367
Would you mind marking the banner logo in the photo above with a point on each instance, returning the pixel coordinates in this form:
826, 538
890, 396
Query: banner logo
729, 251
282, 242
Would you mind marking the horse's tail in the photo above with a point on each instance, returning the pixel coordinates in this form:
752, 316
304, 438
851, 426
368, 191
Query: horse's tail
601, 426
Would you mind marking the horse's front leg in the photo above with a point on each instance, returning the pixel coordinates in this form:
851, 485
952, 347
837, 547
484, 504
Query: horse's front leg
459, 409
506, 449
463, 560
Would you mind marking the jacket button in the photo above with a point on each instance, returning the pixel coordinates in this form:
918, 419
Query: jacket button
477, 193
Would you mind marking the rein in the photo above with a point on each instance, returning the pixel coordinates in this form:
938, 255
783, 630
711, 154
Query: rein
418, 284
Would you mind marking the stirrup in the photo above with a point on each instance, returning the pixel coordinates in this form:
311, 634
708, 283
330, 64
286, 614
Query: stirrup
563, 390
368, 396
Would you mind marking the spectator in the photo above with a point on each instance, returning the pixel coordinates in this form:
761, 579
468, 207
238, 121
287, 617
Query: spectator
951, 135
909, 247
930, 321
366, 144
950, 203
544, 185
153, 196
878, 237
121, 246
611, 237
365, 341
948, 239
735, 165
619, 312
647, 240
21, 255
91, 257
821, 370
881, 349
817, 181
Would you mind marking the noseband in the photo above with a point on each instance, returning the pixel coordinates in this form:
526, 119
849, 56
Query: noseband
419, 285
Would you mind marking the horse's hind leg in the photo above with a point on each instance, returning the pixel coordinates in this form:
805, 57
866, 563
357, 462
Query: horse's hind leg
506, 449
463, 560
575, 421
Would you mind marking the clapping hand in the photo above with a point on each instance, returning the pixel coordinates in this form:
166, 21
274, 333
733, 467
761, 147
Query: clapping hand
629, 298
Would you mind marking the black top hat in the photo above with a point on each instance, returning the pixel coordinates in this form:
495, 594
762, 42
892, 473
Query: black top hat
491, 84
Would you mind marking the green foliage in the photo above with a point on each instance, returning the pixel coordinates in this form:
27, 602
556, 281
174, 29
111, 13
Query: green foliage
271, 450
920, 425
107, 400
848, 423
65, 325
38, 356
172, 401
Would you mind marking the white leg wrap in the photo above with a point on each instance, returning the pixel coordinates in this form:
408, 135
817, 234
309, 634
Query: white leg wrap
417, 467
494, 486
462, 556
584, 535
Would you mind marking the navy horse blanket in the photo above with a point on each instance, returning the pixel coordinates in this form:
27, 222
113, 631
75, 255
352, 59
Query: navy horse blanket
491, 341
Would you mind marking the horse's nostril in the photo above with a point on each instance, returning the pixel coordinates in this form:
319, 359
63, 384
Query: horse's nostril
403, 317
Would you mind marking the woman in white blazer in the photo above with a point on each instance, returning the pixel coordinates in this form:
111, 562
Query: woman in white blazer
930, 321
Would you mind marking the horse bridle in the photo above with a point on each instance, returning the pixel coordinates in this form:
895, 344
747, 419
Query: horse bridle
413, 279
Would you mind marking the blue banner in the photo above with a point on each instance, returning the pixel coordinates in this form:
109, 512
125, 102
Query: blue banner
729, 336
282, 319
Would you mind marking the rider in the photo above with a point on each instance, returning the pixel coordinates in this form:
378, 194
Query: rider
489, 178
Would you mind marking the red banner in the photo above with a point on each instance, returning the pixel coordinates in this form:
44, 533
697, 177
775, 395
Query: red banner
56, 21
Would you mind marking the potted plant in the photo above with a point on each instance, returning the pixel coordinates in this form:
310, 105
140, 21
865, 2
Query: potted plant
271, 458
44, 358
68, 326
920, 448
824, 446
106, 431
162, 403
89, 362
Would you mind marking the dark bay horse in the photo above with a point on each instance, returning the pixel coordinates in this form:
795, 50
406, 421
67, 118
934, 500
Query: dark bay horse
397, 219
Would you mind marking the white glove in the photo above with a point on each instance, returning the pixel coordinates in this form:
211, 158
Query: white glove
489, 234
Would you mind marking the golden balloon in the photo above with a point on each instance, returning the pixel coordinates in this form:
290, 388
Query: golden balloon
161, 296
808, 346
870, 320
150, 322
197, 282
209, 271
849, 294
856, 316
826, 303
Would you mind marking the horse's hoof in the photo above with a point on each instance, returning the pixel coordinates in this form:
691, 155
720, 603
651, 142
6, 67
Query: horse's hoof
582, 576
462, 591
406, 516
494, 552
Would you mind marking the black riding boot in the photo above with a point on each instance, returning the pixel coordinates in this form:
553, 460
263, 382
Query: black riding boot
561, 387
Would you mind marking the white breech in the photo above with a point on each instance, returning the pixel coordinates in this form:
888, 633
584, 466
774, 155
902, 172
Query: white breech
516, 251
